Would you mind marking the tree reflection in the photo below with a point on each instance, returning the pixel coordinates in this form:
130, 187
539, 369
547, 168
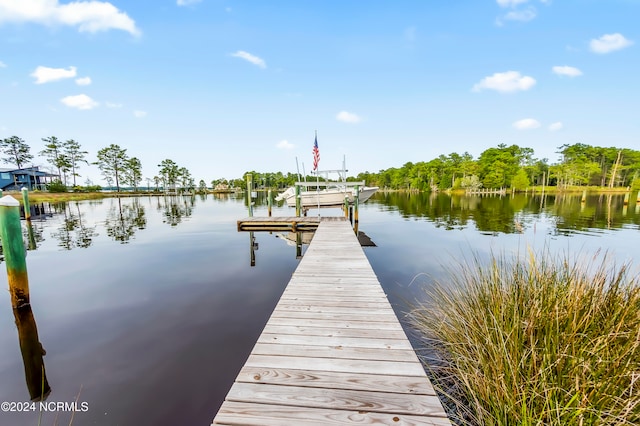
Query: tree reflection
513, 213
73, 232
175, 208
123, 220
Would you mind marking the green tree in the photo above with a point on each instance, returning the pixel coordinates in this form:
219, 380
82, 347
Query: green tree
74, 156
186, 181
112, 162
169, 171
133, 173
53, 152
520, 181
202, 186
17, 151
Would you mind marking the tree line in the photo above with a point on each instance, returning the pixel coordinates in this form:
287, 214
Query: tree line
515, 167
117, 167
497, 167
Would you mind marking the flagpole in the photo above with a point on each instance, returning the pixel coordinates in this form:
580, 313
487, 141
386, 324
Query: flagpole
318, 181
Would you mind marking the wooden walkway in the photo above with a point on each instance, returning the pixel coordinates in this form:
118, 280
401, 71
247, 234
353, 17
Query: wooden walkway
333, 351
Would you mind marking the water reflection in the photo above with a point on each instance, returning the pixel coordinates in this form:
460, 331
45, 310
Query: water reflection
515, 213
73, 232
122, 222
32, 353
175, 208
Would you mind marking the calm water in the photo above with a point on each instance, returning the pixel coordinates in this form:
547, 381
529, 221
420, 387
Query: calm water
148, 307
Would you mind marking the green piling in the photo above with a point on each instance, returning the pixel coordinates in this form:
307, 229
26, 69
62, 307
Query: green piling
14, 253
346, 206
626, 199
298, 200
249, 187
25, 200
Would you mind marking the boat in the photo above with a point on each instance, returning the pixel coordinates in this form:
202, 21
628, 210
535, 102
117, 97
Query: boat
327, 193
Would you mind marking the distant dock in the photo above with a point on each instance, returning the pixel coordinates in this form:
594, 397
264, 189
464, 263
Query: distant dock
333, 351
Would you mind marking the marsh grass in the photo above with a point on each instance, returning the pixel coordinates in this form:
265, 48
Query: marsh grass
540, 341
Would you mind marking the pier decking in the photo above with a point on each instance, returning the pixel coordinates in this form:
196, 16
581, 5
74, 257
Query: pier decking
333, 351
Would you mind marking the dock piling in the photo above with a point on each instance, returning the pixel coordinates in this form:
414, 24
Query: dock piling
269, 202
298, 201
25, 200
249, 188
14, 252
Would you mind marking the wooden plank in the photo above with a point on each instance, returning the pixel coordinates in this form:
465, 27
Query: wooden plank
338, 351
329, 323
242, 413
307, 339
329, 379
389, 368
333, 351
367, 333
339, 399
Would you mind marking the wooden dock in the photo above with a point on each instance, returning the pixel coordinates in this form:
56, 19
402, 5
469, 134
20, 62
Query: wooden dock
333, 351
293, 223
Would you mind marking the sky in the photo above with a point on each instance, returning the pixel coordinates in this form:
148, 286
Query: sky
226, 86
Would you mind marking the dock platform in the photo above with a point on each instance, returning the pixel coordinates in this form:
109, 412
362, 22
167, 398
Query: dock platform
293, 223
333, 351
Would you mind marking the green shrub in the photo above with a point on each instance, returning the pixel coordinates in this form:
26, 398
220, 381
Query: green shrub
57, 186
537, 342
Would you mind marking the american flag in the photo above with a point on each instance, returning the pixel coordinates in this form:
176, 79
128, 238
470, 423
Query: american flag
316, 154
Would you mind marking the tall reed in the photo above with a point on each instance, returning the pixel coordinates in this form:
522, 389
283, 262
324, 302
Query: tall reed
540, 341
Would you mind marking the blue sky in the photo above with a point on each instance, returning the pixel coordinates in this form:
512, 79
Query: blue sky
225, 86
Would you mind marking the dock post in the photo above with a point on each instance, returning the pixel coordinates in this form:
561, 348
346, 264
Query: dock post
356, 201
269, 202
249, 187
14, 253
584, 197
298, 200
25, 200
626, 199
298, 245
637, 198
346, 206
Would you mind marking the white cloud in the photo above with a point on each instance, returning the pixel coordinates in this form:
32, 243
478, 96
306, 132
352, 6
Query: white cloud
510, 3
609, 43
249, 57
79, 102
348, 117
113, 105
554, 127
526, 124
567, 70
46, 74
139, 114
505, 82
521, 15
2, 65
83, 81
187, 2
89, 16
285, 144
